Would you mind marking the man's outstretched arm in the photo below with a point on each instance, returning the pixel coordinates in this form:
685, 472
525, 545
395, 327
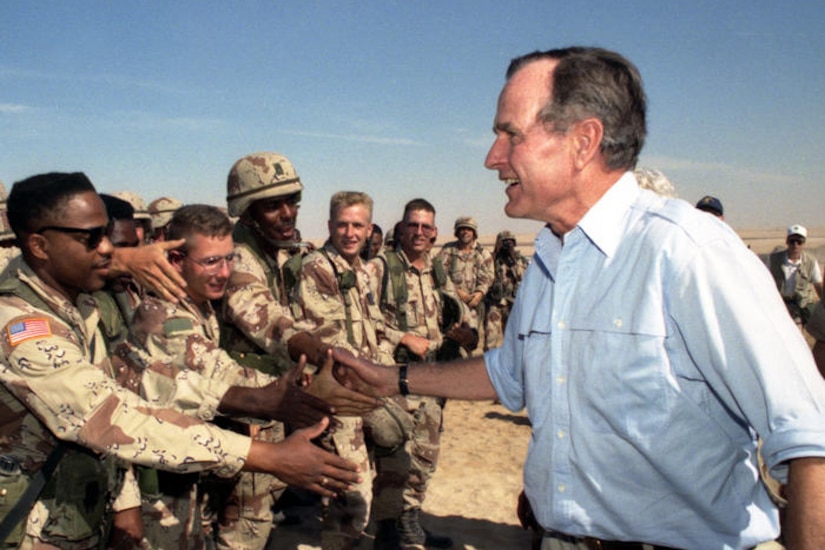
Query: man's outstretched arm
462, 379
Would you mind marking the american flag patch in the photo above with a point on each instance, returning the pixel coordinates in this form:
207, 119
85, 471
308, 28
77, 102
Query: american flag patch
30, 328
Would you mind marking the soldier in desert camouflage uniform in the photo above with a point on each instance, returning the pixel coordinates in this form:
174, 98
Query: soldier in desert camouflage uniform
509, 266
415, 331
142, 217
264, 191
8, 247
58, 389
335, 297
160, 212
470, 268
187, 335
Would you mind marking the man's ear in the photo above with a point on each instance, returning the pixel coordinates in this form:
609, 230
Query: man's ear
587, 141
37, 245
175, 258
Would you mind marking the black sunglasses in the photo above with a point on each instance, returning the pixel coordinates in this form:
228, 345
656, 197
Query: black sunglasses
94, 235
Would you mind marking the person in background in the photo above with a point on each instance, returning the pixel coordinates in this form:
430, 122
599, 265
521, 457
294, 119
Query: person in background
711, 205
797, 275
160, 212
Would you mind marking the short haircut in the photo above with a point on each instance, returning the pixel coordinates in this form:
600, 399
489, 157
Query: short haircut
418, 204
118, 209
37, 200
594, 82
376, 230
344, 199
198, 219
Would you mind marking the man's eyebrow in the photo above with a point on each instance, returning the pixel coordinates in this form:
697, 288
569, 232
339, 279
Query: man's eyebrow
503, 127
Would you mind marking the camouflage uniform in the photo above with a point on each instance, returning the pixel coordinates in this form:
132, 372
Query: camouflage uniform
402, 474
188, 336
257, 325
502, 294
57, 378
7, 253
345, 318
471, 271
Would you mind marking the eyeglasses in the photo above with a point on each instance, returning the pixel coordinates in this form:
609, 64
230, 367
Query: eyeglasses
796, 241
425, 228
94, 235
213, 264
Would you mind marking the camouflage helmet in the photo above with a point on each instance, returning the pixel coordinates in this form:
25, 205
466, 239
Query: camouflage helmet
465, 221
162, 209
260, 176
141, 212
505, 236
5, 229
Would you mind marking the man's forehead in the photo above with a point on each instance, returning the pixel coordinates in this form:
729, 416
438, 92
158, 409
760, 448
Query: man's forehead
420, 214
76, 210
530, 84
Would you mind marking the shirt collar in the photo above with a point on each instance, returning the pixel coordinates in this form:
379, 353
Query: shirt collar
603, 221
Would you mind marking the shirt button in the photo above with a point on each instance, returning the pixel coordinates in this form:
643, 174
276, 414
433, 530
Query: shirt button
561, 324
617, 323
561, 380
560, 434
562, 488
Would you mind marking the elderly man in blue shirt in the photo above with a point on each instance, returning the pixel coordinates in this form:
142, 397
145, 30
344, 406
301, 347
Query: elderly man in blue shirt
646, 342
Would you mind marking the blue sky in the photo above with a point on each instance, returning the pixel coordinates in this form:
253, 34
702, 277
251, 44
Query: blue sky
397, 98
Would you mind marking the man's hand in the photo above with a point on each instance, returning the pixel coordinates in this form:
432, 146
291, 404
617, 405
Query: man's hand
418, 345
475, 299
298, 462
150, 268
286, 400
466, 337
363, 375
345, 401
463, 295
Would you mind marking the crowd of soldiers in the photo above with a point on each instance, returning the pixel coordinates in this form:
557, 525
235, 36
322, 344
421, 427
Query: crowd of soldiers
179, 361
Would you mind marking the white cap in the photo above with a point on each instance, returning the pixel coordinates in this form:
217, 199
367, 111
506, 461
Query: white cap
798, 230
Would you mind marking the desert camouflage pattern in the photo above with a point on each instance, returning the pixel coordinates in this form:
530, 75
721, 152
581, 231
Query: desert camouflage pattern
471, 271
403, 473
137, 202
189, 336
259, 176
501, 297
162, 209
7, 255
257, 317
322, 303
57, 378
172, 521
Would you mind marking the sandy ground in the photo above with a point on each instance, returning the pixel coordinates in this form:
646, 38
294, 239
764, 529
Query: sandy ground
472, 497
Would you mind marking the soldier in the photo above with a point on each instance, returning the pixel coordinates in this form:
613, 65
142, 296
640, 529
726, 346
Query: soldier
122, 231
8, 246
264, 192
414, 295
509, 266
63, 414
470, 267
142, 217
160, 212
334, 296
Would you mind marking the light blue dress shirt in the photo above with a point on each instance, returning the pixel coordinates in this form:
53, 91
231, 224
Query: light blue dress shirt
650, 350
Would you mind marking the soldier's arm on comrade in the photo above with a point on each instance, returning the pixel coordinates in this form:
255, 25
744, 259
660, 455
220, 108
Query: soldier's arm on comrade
150, 268
78, 402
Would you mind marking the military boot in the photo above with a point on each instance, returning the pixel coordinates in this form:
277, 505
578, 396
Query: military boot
413, 536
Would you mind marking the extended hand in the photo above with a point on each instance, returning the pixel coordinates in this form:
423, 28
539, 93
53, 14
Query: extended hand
297, 461
150, 268
346, 401
365, 376
466, 337
289, 402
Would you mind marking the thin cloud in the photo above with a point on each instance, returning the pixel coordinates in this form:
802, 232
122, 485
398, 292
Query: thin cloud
13, 108
357, 138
